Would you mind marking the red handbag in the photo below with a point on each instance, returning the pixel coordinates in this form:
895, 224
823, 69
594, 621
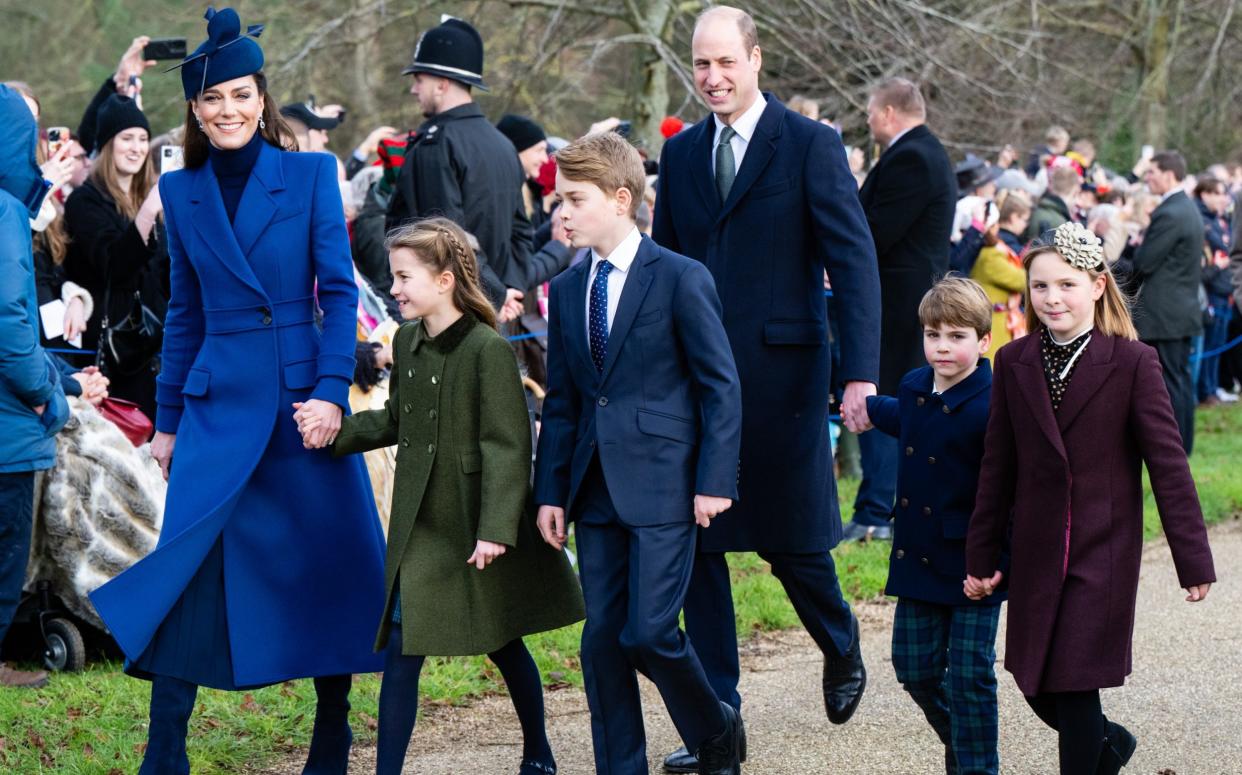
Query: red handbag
129, 417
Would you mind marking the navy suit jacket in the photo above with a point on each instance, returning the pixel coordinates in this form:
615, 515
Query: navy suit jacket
792, 212
664, 416
941, 451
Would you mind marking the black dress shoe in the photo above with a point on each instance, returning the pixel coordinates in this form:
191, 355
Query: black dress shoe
682, 760
532, 767
721, 755
1119, 746
845, 678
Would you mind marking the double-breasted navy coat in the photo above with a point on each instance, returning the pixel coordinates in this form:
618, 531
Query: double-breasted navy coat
941, 439
302, 546
1069, 484
791, 213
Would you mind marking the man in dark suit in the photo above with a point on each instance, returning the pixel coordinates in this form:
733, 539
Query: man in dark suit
641, 429
909, 198
764, 197
1167, 272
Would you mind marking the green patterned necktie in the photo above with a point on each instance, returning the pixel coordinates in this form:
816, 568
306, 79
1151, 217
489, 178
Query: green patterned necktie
726, 169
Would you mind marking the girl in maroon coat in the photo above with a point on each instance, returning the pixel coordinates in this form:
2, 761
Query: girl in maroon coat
1077, 408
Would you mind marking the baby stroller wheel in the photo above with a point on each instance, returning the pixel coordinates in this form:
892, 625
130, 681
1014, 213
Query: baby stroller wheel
65, 651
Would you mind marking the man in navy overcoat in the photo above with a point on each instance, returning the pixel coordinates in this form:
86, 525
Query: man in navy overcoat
764, 197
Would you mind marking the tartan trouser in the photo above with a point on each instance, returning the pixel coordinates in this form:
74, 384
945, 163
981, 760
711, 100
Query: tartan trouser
944, 656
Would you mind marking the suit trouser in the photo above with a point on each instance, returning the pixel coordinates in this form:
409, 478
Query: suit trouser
810, 581
873, 506
634, 581
1174, 357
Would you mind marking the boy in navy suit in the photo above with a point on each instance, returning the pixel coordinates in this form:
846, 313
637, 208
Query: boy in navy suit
640, 440
944, 645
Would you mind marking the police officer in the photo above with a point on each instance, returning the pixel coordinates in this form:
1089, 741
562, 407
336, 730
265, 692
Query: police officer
460, 166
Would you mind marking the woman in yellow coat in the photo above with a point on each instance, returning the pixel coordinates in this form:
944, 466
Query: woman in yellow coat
999, 268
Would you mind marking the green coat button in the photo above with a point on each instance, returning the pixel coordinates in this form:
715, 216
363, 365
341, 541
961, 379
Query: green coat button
405, 442
432, 413
410, 374
431, 449
435, 380
408, 408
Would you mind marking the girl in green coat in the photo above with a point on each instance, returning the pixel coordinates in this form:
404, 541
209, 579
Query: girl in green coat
465, 571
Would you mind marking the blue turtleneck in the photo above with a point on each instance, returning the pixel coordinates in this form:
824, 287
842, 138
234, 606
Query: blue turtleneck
232, 170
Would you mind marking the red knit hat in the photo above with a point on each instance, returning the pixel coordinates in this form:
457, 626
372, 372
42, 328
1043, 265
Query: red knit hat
670, 126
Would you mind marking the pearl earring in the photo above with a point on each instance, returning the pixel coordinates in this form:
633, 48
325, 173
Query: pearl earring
262, 123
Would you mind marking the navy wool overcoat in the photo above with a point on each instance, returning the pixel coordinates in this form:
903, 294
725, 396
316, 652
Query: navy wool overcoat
303, 549
791, 214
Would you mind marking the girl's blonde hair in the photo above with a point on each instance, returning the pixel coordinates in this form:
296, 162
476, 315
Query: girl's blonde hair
105, 177
442, 246
1112, 309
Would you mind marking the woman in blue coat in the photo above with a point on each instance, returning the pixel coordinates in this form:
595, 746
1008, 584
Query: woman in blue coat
269, 566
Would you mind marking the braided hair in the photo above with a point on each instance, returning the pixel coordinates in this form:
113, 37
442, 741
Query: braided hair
443, 246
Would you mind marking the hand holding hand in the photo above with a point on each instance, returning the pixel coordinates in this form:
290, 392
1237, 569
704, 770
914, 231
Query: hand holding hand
977, 589
485, 552
1197, 593
854, 406
162, 450
318, 421
707, 507
94, 385
551, 522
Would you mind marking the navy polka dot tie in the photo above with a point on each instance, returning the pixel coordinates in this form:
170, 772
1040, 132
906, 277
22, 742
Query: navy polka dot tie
599, 315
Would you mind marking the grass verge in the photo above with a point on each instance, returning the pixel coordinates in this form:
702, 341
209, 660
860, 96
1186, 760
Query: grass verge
95, 721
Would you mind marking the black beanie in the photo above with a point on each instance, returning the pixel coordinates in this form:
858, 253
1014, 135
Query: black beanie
521, 131
115, 116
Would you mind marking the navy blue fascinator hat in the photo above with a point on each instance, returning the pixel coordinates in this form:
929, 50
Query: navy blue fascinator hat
227, 53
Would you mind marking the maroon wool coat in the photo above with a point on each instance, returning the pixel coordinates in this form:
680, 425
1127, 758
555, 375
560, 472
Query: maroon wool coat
1074, 574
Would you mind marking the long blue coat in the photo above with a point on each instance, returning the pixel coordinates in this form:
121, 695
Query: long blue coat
303, 549
792, 212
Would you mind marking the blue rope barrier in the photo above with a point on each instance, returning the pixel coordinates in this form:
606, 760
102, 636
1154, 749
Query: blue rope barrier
1224, 348
69, 352
520, 337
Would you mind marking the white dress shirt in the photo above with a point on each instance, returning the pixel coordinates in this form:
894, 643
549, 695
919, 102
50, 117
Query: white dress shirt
621, 258
744, 126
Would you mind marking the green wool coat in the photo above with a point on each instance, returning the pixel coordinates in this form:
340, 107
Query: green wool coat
457, 412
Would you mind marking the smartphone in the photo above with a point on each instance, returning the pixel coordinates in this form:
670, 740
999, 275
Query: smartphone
1148, 152
172, 158
164, 48
57, 136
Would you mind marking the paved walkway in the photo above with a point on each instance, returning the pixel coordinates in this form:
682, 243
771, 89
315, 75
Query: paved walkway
1183, 701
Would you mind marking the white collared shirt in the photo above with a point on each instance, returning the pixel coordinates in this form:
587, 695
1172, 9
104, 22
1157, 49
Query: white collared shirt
744, 127
1175, 190
621, 258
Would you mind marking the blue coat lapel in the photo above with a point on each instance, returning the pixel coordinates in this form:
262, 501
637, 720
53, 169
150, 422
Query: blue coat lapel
759, 152
701, 164
573, 313
637, 281
213, 227
258, 206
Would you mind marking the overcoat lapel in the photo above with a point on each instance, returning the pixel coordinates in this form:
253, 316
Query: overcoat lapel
257, 205
633, 292
213, 227
759, 152
1089, 376
1029, 371
701, 162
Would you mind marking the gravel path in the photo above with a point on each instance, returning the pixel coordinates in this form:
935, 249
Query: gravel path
1183, 701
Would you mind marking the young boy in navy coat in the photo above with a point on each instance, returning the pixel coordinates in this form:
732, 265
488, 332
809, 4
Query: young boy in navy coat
944, 644
640, 440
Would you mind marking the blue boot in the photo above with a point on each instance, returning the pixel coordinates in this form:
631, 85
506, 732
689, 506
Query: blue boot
172, 702
332, 738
